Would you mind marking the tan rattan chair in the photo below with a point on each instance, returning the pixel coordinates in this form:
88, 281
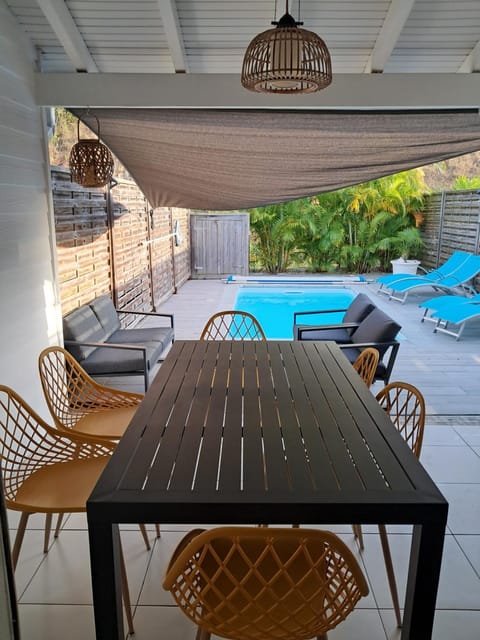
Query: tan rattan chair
249, 583
47, 472
405, 405
77, 402
366, 365
232, 325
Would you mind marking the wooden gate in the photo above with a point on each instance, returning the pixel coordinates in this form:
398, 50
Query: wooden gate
219, 244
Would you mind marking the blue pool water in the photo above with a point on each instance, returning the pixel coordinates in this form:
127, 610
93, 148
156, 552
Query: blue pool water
274, 306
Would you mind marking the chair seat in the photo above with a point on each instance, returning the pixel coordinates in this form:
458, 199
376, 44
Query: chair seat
63, 486
106, 424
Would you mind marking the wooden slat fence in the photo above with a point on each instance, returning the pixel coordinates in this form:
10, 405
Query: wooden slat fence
110, 240
451, 223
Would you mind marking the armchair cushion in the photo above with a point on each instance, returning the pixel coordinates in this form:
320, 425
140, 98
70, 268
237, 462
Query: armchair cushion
377, 327
359, 309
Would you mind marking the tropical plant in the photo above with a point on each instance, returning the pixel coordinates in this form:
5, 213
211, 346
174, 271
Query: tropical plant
275, 231
462, 183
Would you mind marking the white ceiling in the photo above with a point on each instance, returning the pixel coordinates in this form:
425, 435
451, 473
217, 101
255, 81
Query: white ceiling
172, 37
210, 36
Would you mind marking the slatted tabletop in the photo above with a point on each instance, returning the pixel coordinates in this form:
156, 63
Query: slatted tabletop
264, 431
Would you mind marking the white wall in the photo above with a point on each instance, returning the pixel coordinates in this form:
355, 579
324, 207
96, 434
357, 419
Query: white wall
29, 316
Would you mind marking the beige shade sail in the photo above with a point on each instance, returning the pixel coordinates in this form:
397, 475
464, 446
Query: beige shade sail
227, 159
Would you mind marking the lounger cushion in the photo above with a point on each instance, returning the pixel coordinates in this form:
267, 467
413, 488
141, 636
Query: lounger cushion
377, 327
82, 325
359, 309
106, 313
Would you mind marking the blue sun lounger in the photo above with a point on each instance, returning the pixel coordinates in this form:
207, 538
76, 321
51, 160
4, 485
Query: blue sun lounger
456, 260
441, 303
459, 278
457, 316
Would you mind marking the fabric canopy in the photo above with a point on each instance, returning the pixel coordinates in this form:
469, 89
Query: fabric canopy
223, 159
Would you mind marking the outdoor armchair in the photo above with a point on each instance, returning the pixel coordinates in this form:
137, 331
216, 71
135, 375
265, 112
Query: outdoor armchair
366, 365
358, 309
252, 583
377, 330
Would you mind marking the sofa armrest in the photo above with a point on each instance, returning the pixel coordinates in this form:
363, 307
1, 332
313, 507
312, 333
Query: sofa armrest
148, 313
300, 329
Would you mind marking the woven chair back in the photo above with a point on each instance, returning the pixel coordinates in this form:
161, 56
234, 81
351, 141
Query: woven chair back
71, 393
366, 365
232, 325
252, 583
27, 444
406, 407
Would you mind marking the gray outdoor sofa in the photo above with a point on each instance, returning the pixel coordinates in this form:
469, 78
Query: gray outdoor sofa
93, 335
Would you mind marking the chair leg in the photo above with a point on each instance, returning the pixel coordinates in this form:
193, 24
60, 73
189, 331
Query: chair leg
59, 525
322, 637
358, 533
143, 531
157, 530
22, 525
390, 574
126, 593
202, 634
48, 528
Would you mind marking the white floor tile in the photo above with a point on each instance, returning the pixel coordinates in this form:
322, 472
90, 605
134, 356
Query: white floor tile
469, 433
441, 435
458, 625
451, 464
463, 507
56, 622
470, 545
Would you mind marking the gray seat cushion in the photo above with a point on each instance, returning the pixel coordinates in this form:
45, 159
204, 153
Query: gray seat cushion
164, 335
106, 360
359, 309
106, 313
82, 325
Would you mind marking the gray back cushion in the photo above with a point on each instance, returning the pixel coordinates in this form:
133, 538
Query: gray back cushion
103, 308
82, 325
376, 327
359, 309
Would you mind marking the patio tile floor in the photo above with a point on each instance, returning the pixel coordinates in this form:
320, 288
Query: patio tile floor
54, 590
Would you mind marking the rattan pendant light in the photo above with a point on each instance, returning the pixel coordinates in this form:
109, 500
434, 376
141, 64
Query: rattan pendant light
286, 60
91, 163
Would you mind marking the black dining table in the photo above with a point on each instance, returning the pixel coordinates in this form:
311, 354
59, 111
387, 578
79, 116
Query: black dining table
234, 432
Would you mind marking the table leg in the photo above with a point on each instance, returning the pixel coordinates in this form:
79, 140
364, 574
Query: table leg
106, 580
423, 577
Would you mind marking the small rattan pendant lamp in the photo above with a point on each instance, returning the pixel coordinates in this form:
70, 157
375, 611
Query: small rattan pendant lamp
286, 60
91, 163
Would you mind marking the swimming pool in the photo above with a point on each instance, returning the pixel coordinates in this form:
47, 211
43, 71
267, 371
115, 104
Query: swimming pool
274, 306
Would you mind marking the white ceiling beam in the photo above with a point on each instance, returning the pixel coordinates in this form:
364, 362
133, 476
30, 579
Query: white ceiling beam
395, 20
347, 91
171, 25
471, 64
62, 23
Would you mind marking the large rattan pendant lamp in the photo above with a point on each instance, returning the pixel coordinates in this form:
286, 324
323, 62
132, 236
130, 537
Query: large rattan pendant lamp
91, 163
286, 60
